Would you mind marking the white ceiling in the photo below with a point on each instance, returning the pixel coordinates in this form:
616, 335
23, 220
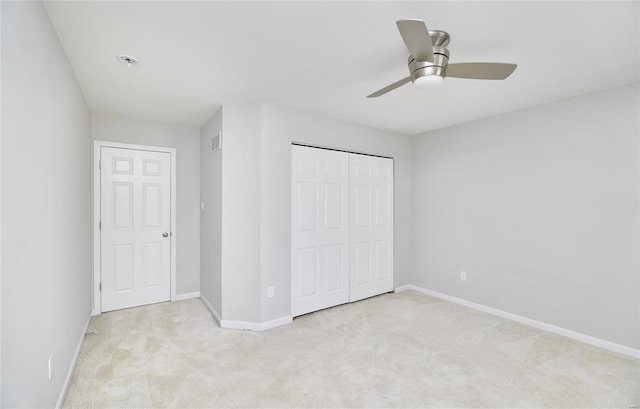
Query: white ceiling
325, 57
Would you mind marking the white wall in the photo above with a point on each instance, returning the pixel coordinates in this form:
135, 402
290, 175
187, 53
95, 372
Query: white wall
211, 216
0, 211
541, 208
281, 127
46, 235
241, 213
187, 143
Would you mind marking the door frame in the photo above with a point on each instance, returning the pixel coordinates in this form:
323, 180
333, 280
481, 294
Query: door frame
96, 307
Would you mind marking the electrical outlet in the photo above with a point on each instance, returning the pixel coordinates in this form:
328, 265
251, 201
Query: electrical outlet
50, 367
463, 275
270, 292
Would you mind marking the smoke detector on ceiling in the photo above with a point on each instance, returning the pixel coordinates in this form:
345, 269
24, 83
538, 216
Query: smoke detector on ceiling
128, 60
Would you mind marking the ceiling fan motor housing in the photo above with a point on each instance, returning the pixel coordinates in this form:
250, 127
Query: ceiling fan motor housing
417, 69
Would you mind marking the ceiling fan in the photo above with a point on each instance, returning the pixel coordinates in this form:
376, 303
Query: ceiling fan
429, 60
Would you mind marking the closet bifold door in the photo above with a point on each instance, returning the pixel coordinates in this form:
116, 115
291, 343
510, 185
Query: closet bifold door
371, 226
319, 229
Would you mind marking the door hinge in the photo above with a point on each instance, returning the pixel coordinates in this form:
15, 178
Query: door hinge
99, 163
100, 286
100, 225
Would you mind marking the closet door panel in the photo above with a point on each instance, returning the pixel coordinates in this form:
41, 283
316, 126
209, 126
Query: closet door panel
319, 229
371, 227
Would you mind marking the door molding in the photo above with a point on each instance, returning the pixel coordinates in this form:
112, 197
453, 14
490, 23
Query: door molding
328, 148
96, 308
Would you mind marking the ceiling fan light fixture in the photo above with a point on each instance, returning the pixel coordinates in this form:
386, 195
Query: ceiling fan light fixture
427, 82
426, 78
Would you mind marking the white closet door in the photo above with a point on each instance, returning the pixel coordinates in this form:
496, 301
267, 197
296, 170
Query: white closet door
371, 226
320, 229
135, 214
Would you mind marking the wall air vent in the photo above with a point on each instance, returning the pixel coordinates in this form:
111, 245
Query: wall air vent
216, 141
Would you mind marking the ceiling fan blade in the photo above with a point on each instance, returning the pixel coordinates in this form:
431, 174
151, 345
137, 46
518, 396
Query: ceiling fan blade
390, 87
481, 70
416, 36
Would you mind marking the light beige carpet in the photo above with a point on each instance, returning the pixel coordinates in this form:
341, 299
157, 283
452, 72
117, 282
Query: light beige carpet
395, 350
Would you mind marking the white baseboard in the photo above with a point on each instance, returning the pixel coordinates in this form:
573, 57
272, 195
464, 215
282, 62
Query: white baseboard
186, 296
212, 310
245, 325
256, 326
72, 367
588, 339
276, 323
408, 287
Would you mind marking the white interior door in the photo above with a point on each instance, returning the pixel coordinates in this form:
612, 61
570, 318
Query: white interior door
135, 218
320, 229
371, 226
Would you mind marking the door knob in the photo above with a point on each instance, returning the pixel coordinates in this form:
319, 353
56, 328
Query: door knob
165, 234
